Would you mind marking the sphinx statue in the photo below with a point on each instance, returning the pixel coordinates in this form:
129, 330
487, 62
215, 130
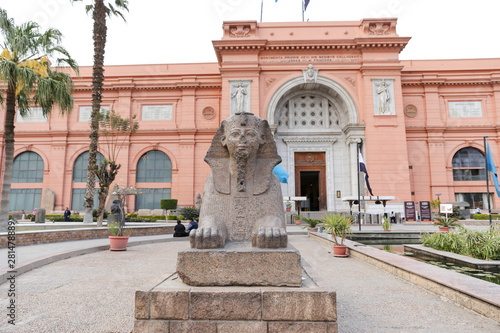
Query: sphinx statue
242, 198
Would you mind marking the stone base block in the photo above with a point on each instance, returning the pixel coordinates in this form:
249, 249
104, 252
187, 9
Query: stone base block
173, 306
240, 265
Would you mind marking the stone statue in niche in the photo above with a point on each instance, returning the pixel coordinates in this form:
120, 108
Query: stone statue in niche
384, 98
242, 198
239, 95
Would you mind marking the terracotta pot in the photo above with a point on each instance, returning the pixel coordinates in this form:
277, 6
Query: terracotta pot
386, 230
288, 209
118, 243
444, 229
297, 222
340, 251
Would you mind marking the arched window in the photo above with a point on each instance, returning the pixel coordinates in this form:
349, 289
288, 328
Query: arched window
468, 165
27, 168
80, 168
154, 167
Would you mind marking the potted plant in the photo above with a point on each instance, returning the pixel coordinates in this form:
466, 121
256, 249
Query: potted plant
311, 224
339, 226
288, 206
386, 224
119, 237
297, 219
445, 223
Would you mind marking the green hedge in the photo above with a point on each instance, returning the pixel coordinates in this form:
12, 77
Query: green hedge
147, 218
60, 218
486, 217
169, 204
172, 217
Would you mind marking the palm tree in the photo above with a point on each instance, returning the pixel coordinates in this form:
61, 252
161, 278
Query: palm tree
99, 12
25, 70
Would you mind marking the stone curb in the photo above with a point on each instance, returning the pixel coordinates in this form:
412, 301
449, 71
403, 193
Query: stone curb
39, 262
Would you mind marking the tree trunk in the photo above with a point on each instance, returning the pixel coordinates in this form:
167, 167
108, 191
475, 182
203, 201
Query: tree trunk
9, 156
99, 16
103, 194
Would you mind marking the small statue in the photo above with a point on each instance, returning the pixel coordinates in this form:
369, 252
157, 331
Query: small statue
197, 201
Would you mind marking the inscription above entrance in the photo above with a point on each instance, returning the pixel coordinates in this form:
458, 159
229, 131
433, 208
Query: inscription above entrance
310, 58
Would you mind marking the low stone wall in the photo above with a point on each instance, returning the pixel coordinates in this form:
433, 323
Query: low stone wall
54, 236
477, 295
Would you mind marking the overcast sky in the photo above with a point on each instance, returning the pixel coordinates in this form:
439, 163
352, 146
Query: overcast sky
174, 31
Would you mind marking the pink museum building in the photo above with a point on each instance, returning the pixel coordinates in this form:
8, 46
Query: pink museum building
323, 87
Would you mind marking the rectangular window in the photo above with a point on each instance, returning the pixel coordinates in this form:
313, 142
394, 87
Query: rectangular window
78, 199
150, 199
475, 200
157, 112
469, 174
25, 199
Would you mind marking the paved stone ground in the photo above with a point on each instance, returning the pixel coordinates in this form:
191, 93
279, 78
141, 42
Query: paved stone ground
95, 293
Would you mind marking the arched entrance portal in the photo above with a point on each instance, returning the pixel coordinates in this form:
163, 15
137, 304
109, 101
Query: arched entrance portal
316, 130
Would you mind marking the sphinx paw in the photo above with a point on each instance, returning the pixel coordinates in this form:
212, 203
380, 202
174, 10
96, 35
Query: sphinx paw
206, 238
270, 238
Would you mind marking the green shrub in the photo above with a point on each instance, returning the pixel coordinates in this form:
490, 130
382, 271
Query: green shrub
486, 217
140, 219
190, 213
172, 217
131, 215
180, 217
478, 244
168, 204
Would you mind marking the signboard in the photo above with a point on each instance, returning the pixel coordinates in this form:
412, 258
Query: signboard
157, 112
86, 112
410, 212
446, 208
34, 116
425, 211
472, 109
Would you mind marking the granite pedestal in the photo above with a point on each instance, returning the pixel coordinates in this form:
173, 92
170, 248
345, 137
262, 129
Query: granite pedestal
173, 306
239, 264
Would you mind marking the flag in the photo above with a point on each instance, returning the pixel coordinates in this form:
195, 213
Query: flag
362, 168
281, 174
490, 166
306, 2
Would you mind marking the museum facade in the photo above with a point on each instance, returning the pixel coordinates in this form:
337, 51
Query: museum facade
324, 88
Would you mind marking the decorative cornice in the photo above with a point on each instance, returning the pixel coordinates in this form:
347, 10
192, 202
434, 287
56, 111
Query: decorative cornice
443, 82
173, 86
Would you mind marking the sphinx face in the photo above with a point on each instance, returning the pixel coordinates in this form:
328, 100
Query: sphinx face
241, 141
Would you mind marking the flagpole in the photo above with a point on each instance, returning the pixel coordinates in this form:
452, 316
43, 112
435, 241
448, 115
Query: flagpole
261, 9
359, 196
487, 177
302, 10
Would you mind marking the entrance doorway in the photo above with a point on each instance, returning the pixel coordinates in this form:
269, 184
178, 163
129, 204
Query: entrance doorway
310, 179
